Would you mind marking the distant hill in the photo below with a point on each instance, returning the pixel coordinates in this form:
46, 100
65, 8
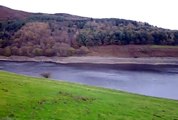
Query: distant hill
60, 34
10, 14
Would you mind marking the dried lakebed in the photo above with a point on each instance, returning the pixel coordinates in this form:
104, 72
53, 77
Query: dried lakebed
151, 80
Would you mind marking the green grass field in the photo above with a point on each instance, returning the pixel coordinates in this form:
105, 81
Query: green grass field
28, 98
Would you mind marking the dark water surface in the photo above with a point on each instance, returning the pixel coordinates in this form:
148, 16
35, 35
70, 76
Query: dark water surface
152, 80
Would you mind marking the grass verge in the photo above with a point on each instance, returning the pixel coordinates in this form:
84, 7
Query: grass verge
28, 98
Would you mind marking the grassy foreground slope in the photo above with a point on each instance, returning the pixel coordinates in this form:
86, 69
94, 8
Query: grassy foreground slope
28, 98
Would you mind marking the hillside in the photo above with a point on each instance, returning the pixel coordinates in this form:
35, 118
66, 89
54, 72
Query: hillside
60, 34
26, 98
10, 14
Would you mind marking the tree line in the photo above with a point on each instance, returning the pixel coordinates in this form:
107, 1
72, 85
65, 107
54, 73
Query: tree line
66, 35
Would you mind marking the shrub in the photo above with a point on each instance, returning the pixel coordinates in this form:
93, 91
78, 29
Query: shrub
37, 52
82, 51
46, 75
7, 52
49, 52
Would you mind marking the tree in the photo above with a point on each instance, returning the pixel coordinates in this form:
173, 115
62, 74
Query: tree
37, 52
49, 52
7, 51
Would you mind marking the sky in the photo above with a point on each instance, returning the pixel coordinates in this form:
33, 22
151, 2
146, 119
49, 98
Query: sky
160, 13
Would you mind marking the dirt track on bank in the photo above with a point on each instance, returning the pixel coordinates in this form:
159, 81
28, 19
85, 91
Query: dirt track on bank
95, 60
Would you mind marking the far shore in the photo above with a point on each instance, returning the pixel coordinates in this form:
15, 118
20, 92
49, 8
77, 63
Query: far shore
95, 60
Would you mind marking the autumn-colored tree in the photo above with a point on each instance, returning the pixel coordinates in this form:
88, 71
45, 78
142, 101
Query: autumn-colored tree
7, 52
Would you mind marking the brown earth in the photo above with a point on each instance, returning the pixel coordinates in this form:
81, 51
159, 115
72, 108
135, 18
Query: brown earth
134, 51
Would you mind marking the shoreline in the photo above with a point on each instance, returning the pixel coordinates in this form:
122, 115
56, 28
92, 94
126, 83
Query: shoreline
95, 60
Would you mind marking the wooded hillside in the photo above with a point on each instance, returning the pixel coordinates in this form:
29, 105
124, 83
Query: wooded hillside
38, 34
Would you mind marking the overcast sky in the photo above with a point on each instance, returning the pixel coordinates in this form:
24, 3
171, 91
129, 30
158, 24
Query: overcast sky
161, 13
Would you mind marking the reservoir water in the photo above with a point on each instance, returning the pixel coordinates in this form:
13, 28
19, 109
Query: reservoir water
151, 80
